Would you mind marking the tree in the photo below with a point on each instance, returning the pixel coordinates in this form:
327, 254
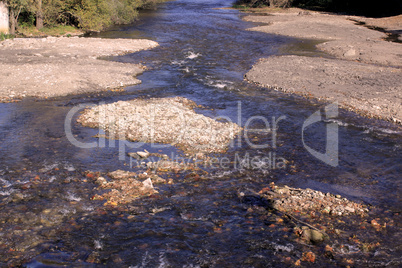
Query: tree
39, 15
15, 7
90, 15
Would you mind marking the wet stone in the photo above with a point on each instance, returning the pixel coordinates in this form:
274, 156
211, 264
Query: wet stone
305, 201
125, 187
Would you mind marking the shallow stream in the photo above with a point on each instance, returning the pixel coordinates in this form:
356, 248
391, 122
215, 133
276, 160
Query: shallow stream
48, 218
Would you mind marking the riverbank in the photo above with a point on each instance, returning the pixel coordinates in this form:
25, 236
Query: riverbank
362, 72
50, 67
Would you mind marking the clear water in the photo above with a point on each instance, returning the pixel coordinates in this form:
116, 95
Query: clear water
203, 55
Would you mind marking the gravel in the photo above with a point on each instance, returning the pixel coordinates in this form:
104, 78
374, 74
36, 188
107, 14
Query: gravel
162, 120
49, 67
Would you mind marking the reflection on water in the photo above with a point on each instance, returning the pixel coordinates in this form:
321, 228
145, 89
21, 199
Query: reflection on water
50, 219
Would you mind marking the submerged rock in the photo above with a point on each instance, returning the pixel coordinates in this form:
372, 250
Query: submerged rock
139, 154
125, 186
143, 154
122, 174
310, 235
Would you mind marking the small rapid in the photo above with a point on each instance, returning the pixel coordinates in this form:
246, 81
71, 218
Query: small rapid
49, 215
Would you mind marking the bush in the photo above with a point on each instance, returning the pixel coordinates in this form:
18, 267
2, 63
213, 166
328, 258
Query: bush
280, 3
90, 15
271, 3
356, 7
4, 36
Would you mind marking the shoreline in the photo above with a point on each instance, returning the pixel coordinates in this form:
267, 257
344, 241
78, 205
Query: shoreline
365, 76
59, 66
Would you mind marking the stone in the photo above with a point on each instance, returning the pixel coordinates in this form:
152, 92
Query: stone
312, 235
283, 190
144, 154
350, 210
147, 185
156, 179
121, 174
350, 53
17, 197
101, 181
316, 236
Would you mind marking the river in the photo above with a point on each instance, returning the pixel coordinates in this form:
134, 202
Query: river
49, 219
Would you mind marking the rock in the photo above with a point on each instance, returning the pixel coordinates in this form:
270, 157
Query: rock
350, 210
308, 256
46, 211
134, 155
139, 154
350, 53
283, 190
147, 185
121, 174
316, 236
17, 197
101, 181
144, 154
327, 210
375, 224
156, 179
304, 13
312, 235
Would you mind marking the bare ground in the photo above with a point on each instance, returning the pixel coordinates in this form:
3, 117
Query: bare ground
366, 77
48, 67
372, 91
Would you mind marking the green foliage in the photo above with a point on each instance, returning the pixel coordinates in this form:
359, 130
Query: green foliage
90, 15
95, 15
59, 30
4, 36
356, 7
56, 12
20, 4
259, 3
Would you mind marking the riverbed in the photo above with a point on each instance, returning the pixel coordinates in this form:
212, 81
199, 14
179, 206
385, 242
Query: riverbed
207, 216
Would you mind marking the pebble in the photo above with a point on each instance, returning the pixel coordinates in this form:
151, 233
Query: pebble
143, 154
308, 200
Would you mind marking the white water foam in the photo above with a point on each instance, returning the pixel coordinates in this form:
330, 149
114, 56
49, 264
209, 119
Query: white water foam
98, 244
191, 55
5, 183
72, 197
7, 192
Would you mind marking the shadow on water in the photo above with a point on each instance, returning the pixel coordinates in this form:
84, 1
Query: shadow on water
203, 55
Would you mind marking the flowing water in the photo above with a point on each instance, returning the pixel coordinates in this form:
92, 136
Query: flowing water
48, 218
